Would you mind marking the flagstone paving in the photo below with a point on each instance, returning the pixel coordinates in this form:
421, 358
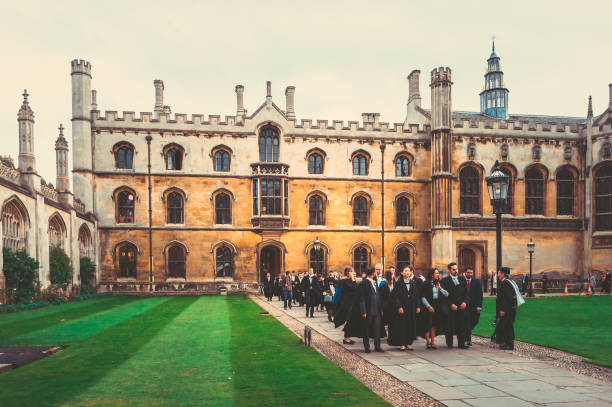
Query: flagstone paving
480, 376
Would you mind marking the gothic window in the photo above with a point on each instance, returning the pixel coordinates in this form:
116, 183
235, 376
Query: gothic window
317, 260
13, 226
56, 232
402, 258
361, 260
360, 164
536, 152
271, 198
224, 262
84, 242
360, 211
125, 206
268, 144
402, 211
127, 261
603, 198
174, 158
222, 161
565, 192
223, 209
510, 200
315, 209
286, 196
176, 261
175, 207
469, 190
534, 192
255, 197
315, 163
402, 166
606, 150
124, 155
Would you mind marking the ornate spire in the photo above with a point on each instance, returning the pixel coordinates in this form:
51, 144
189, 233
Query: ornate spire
25, 112
590, 111
493, 54
61, 143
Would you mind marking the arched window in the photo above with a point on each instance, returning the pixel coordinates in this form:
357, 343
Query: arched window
534, 192
402, 258
127, 261
402, 166
360, 164
84, 242
268, 144
565, 192
176, 261
603, 198
315, 209
469, 190
402, 211
223, 210
13, 226
174, 207
224, 262
174, 158
360, 211
125, 206
222, 161
317, 260
315, 163
124, 156
56, 232
361, 260
510, 200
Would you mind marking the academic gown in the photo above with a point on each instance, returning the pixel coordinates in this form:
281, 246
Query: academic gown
347, 299
402, 327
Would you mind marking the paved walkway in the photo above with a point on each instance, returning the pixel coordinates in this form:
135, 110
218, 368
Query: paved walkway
480, 376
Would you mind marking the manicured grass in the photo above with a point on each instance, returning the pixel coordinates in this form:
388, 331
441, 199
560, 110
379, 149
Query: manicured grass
215, 351
576, 324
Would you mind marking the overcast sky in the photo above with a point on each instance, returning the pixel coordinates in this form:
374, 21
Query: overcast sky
344, 58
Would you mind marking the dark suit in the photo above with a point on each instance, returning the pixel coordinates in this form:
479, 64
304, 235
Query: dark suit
506, 301
268, 286
312, 290
371, 306
456, 323
475, 294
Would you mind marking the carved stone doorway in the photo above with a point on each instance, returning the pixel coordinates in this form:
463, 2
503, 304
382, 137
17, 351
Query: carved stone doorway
269, 261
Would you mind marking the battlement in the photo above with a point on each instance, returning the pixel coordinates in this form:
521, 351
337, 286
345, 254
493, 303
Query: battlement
80, 66
441, 74
518, 126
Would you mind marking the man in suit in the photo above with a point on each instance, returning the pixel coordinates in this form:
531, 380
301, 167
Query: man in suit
458, 301
379, 274
475, 304
310, 291
506, 310
371, 310
268, 286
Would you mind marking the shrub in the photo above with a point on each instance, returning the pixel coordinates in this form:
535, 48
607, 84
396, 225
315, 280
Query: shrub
21, 274
23, 307
54, 294
87, 270
59, 267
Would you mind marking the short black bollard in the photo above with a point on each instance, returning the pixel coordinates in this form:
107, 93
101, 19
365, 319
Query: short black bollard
307, 336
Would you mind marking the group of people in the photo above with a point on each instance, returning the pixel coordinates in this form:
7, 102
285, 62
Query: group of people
401, 306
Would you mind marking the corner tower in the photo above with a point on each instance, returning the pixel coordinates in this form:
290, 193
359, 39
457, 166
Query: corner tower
82, 176
494, 97
25, 118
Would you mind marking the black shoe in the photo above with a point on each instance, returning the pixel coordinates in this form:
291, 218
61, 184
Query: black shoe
379, 350
450, 345
463, 347
350, 342
469, 343
367, 351
507, 347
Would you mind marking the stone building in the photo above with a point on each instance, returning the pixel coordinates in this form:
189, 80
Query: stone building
237, 196
37, 215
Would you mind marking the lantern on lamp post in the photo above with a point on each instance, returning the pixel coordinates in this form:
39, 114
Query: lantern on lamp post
497, 184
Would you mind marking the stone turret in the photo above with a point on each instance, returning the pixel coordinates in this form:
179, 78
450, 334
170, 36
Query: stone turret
588, 193
25, 118
82, 177
61, 161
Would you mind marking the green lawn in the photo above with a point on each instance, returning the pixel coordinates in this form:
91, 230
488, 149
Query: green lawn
160, 351
576, 324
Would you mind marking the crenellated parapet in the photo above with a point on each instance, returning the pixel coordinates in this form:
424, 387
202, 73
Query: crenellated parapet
80, 66
48, 190
516, 128
441, 74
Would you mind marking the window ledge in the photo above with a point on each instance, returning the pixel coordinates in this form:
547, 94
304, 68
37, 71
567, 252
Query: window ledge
602, 233
361, 227
125, 169
126, 279
404, 227
176, 280
316, 226
471, 215
224, 279
223, 225
176, 225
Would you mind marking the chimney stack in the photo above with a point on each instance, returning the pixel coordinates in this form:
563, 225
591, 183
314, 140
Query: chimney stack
289, 95
240, 112
413, 87
159, 97
610, 98
94, 99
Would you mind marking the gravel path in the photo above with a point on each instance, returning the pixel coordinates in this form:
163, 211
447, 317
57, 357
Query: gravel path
396, 392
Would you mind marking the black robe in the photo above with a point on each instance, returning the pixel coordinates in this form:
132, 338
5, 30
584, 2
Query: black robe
437, 319
384, 292
402, 328
355, 322
268, 286
457, 294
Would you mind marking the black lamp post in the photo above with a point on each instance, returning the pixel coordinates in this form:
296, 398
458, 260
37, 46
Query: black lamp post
383, 146
497, 184
530, 249
317, 248
149, 138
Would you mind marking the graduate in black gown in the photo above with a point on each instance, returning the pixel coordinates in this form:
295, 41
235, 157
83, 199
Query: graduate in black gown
432, 297
406, 302
268, 287
458, 300
506, 310
384, 291
347, 290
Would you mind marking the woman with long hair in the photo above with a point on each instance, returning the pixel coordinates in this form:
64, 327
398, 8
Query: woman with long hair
347, 290
431, 298
405, 303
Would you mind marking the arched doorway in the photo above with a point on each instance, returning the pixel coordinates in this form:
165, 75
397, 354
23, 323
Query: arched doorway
269, 261
473, 254
467, 257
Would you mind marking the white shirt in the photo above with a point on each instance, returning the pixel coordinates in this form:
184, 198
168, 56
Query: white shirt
373, 284
455, 279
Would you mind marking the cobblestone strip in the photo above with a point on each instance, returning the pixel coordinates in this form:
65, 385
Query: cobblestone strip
380, 382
